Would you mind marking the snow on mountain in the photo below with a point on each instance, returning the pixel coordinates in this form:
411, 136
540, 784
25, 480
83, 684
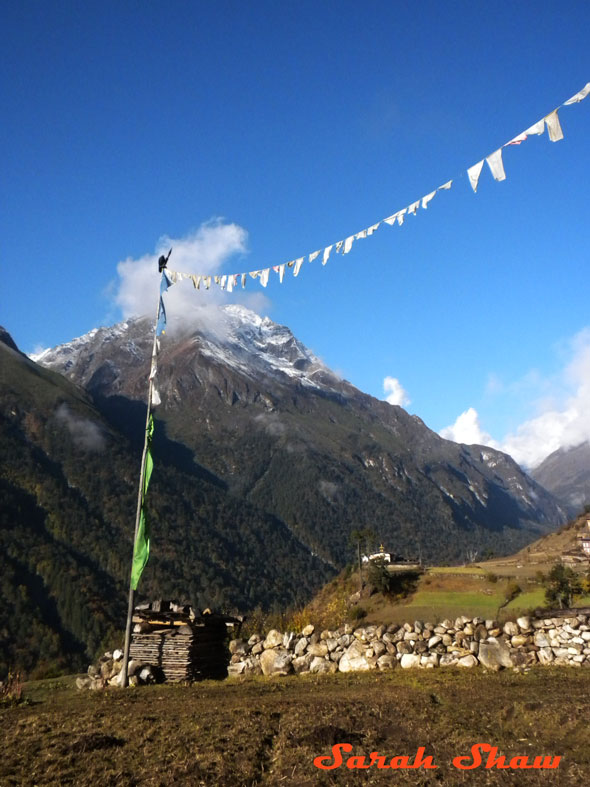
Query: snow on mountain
233, 336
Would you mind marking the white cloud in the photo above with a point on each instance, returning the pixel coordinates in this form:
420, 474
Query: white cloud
467, 430
562, 415
205, 250
395, 392
85, 433
563, 419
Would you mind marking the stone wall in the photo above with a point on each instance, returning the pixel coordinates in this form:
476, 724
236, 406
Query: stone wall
464, 642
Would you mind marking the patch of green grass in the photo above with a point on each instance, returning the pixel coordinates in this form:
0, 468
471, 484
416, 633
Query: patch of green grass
469, 570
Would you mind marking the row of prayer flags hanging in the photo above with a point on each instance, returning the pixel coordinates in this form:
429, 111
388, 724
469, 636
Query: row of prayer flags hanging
494, 161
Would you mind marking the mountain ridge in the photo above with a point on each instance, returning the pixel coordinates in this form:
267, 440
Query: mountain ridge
248, 383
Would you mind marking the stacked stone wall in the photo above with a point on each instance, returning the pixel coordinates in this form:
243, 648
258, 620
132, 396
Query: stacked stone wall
464, 642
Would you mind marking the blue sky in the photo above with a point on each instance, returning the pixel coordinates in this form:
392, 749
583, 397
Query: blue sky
301, 123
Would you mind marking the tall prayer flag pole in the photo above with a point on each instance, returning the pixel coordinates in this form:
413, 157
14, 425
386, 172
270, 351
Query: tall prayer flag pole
141, 537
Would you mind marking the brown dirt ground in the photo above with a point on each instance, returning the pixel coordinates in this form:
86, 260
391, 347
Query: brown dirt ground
268, 731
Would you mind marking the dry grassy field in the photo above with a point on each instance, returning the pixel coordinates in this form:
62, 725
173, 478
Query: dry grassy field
269, 731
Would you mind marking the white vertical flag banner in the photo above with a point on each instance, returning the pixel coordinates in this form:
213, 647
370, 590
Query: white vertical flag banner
496, 166
427, 198
554, 127
474, 172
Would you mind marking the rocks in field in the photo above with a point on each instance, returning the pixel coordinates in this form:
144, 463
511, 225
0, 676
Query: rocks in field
464, 642
276, 661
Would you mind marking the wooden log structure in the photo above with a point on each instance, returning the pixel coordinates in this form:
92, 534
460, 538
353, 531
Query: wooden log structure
179, 643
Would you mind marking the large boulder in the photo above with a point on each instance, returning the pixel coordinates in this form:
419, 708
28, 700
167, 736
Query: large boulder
273, 639
318, 664
276, 661
353, 659
467, 661
410, 660
494, 655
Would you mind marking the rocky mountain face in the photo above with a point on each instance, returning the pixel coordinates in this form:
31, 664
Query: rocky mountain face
68, 488
566, 474
264, 419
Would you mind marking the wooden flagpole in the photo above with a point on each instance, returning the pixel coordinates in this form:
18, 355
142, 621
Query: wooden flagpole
162, 262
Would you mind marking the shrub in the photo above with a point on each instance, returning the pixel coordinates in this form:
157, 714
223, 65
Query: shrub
11, 690
561, 585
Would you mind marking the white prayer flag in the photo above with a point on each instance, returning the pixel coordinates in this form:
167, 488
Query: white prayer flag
255, 274
298, 264
281, 273
391, 220
373, 228
496, 166
207, 281
427, 198
327, 251
400, 216
244, 278
445, 186
155, 397
264, 276
360, 235
348, 244
554, 127
196, 281
579, 96
230, 283
474, 172
222, 282
339, 246
313, 256
414, 207
537, 128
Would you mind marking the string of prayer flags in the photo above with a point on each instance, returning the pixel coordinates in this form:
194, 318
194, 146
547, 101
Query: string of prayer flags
495, 163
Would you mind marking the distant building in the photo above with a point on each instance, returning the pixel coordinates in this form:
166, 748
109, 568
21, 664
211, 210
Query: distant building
381, 555
584, 543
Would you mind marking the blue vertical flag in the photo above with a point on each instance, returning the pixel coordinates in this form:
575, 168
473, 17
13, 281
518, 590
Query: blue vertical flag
164, 284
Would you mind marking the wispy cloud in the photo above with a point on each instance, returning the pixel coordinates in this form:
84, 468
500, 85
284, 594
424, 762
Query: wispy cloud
559, 406
396, 394
85, 433
206, 250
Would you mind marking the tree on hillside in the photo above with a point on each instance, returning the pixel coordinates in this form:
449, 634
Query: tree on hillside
360, 538
561, 585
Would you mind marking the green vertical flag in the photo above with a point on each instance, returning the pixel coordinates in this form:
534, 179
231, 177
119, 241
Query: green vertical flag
141, 550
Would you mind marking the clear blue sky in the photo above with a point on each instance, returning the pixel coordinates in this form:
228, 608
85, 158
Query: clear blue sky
303, 122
